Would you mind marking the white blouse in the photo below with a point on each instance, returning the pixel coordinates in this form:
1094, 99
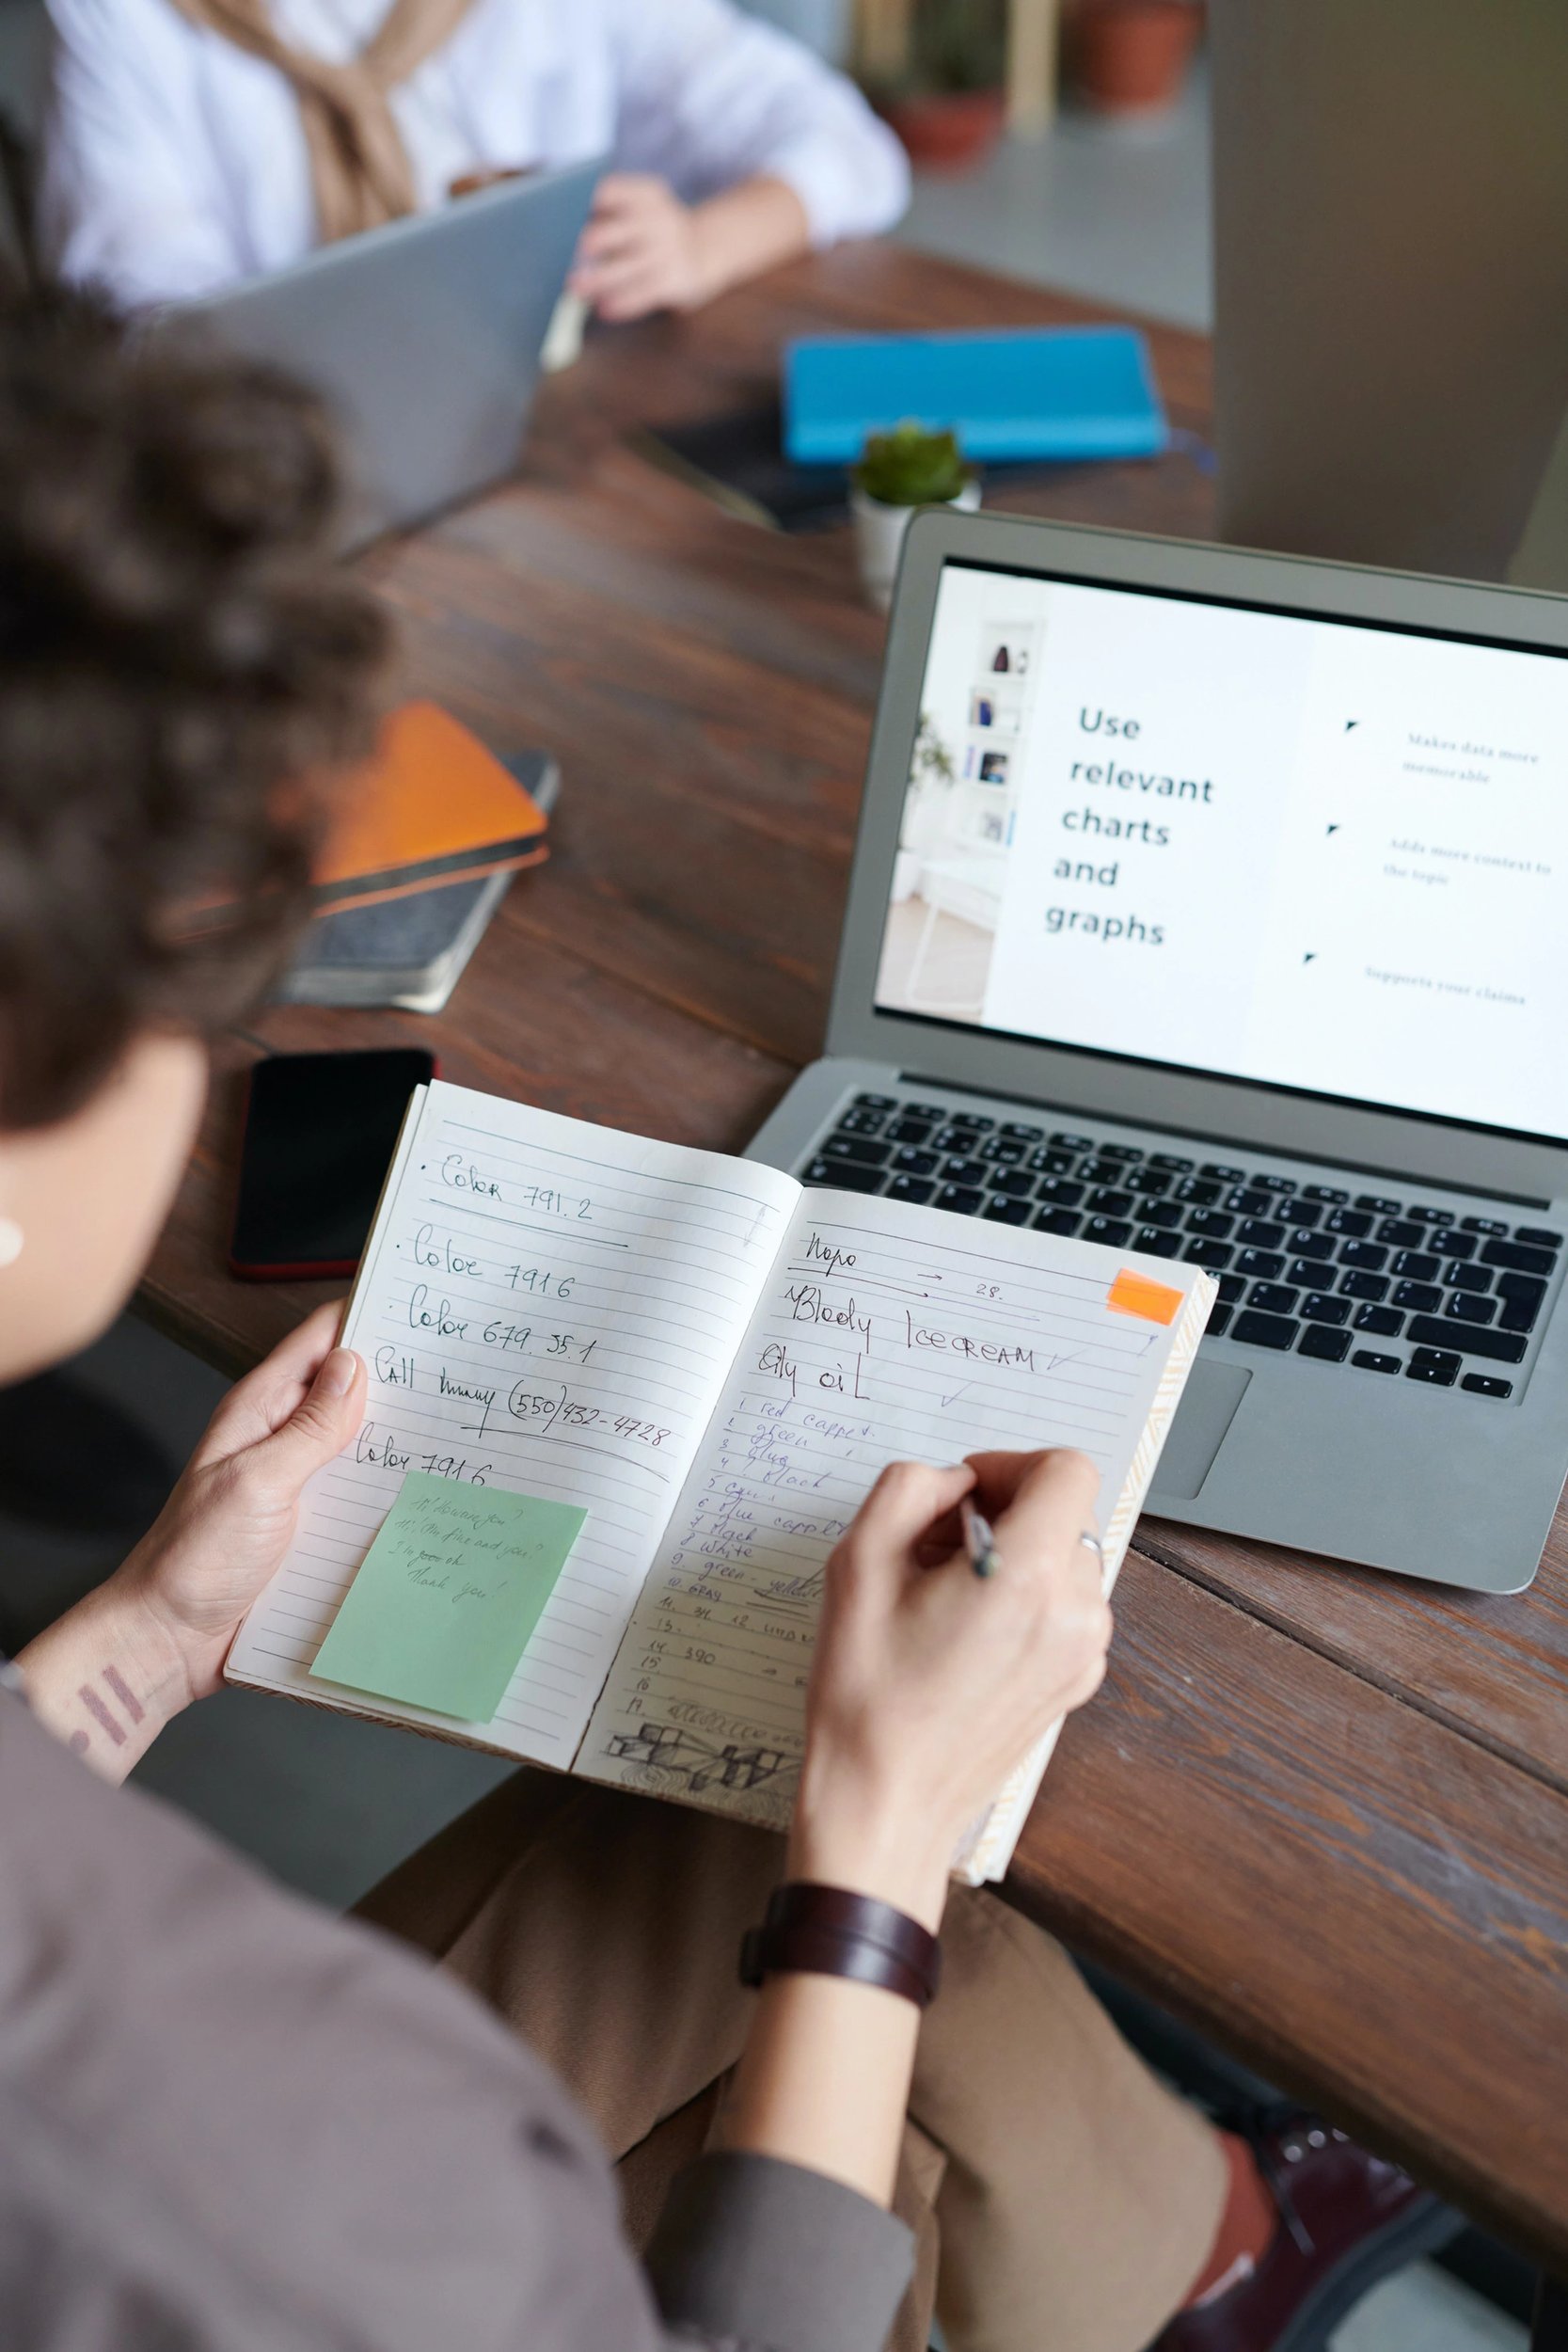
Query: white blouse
176, 164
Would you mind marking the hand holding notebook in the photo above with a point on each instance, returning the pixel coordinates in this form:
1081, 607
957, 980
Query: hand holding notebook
714, 1364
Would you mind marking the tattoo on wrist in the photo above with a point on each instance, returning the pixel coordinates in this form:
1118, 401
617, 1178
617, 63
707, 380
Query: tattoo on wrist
120, 1691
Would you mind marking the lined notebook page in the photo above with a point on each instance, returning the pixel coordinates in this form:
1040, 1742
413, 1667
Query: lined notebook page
878, 1338
548, 1306
989, 1848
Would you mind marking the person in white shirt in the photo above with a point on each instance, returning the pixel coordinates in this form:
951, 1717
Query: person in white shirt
192, 143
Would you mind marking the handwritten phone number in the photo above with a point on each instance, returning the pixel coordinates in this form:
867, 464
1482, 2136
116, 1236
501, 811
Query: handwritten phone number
545, 1410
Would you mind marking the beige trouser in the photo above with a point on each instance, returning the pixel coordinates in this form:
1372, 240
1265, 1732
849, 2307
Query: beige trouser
1061, 2199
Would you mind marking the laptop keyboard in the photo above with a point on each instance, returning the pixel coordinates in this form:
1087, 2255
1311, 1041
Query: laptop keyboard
1362, 1278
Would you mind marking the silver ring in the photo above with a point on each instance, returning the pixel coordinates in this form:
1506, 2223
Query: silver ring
1091, 1542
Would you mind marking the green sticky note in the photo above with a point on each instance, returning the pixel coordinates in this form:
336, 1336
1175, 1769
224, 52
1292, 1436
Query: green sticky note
448, 1595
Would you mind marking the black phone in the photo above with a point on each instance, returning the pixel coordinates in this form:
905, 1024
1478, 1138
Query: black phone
319, 1134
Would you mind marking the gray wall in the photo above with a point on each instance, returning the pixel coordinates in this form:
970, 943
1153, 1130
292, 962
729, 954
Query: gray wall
1390, 274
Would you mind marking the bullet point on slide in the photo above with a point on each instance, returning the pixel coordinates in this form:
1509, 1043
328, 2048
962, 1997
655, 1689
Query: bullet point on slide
1311, 958
1333, 829
1351, 723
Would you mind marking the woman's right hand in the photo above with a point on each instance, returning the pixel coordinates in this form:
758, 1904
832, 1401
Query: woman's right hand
930, 1684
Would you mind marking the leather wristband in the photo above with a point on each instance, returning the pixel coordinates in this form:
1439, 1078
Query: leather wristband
830, 1931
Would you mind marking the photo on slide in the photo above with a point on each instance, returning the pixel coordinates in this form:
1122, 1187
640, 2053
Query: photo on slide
994, 711
1006, 653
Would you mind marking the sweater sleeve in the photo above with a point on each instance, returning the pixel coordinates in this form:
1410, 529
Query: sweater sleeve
755, 2251
229, 2121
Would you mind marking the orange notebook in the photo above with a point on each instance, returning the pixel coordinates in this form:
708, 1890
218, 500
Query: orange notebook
434, 806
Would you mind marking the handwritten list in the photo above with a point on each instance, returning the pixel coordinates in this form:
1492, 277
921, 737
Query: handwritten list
876, 1339
548, 1307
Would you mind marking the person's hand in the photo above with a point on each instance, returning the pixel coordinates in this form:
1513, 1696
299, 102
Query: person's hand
231, 1517
930, 1684
643, 250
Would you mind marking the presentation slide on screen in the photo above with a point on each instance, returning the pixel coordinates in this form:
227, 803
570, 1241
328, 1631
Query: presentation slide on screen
1326, 857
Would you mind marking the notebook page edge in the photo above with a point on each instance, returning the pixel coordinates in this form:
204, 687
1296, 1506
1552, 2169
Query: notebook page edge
987, 1859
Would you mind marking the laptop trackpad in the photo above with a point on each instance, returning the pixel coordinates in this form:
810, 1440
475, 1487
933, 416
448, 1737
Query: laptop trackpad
1205, 1413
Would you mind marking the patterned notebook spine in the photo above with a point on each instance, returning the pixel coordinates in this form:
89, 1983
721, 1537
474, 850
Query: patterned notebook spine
988, 1856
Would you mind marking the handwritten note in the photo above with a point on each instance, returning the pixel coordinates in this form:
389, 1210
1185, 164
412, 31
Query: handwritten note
549, 1308
877, 1339
448, 1595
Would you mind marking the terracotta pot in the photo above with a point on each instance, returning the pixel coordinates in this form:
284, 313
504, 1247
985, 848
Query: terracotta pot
948, 130
1131, 56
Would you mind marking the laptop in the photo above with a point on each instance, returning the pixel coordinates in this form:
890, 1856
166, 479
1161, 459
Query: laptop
423, 337
1214, 905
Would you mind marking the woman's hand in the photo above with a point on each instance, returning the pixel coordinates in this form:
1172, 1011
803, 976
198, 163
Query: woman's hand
640, 251
931, 1684
112, 1671
645, 250
226, 1527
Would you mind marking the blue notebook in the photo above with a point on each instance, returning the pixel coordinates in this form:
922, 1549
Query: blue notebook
1009, 392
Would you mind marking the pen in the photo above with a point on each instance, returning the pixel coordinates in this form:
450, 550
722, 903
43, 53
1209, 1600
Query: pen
979, 1540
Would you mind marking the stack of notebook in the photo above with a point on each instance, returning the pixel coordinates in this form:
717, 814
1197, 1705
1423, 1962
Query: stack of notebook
429, 840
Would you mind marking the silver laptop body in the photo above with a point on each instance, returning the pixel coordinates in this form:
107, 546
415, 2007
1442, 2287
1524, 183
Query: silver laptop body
1215, 904
423, 337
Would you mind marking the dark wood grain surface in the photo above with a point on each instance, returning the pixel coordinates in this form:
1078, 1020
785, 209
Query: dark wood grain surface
1321, 1813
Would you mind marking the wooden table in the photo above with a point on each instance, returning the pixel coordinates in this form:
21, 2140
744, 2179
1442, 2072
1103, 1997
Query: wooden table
1322, 1814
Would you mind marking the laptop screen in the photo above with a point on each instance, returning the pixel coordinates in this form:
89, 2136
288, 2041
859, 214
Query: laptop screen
1314, 854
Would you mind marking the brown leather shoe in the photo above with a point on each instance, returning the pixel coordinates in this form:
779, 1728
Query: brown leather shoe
1346, 2219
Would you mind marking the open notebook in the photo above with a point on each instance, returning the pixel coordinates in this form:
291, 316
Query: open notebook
715, 1363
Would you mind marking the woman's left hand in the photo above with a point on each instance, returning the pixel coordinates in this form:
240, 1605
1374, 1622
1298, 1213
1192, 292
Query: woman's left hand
229, 1522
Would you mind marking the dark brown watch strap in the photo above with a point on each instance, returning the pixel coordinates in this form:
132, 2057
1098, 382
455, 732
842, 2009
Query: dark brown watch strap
830, 1931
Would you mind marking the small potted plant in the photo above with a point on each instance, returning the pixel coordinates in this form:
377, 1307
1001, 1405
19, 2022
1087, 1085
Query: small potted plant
937, 75
899, 472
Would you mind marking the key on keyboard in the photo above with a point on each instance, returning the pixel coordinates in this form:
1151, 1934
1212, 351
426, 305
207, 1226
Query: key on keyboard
1504, 1348
1260, 1330
845, 1175
1328, 1345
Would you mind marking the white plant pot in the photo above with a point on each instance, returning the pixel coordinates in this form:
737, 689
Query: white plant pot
880, 537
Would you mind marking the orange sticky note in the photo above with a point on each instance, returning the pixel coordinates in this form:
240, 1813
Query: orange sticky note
1136, 1295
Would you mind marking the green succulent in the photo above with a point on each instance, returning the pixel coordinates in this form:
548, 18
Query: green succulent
952, 45
910, 466
960, 44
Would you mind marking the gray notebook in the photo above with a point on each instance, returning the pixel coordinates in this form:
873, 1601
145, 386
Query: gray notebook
408, 954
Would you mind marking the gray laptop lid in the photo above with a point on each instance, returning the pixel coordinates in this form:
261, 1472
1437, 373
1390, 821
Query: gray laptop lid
1337, 1123
423, 337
